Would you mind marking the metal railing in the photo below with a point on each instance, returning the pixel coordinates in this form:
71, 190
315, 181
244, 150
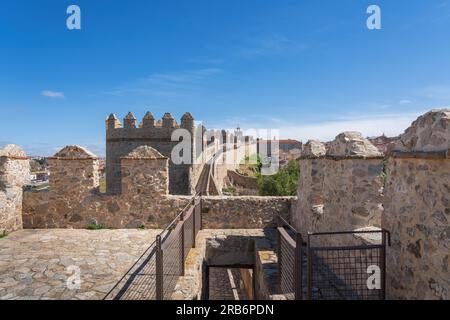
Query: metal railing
347, 272
155, 274
342, 271
289, 254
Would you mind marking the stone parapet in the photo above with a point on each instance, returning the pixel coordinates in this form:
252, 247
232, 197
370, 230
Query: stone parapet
352, 144
340, 188
74, 201
313, 149
145, 171
429, 133
14, 174
241, 180
74, 173
244, 212
417, 210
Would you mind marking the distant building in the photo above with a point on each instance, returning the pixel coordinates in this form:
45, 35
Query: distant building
42, 176
39, 176
288, 149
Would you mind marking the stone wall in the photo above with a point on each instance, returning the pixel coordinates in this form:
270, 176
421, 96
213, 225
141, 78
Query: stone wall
74, 201
340, 189
245, 212
145, 172
417, 210
14, 173
74, 173
231, 156
241, 180
183, 178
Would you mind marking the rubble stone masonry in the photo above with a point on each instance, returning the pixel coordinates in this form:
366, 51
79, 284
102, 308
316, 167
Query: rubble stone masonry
340, 189
245, 212
14, 173
344, 185
74, 201
417, 210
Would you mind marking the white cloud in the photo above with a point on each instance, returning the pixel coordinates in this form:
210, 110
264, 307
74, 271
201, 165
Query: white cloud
390, 125
368, 125
53, 94
269, 45
404, 101
171, 84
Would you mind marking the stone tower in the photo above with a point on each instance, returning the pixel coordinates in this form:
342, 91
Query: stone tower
121, 140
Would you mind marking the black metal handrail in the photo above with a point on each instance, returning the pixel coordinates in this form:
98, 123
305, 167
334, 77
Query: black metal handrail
282, 222
330, 272
148, 272
386, 232
180, 215
289, 254
329, 267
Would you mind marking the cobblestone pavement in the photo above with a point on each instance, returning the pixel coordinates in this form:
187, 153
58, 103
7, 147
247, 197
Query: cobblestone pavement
37, 264
225, 284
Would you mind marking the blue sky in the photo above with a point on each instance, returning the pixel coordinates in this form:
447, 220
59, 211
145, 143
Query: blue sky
310, 68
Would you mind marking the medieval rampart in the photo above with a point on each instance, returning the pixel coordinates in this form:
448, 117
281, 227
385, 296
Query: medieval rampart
14, 173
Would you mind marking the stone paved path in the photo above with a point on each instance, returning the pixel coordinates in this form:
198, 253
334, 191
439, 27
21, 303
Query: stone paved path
223, 286
36, 264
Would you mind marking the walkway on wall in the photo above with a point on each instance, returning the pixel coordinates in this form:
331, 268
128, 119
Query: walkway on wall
202, 184
226, 284
312, 270
206, 185
155, 274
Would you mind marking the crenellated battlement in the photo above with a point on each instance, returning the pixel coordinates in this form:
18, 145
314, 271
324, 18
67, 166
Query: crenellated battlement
148, 128
123, 138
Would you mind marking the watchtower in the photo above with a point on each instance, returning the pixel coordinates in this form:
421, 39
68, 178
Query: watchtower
122, 139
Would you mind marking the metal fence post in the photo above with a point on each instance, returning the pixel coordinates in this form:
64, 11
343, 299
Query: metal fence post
310, 265
182, 244
298, 267
194, 228
280, 265
383, 265
159, 270
201, 213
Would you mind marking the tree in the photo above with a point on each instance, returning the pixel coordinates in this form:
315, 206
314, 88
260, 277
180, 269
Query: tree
283, 183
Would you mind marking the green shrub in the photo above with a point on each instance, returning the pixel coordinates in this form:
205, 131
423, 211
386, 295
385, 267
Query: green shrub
95, 226
3, 234
283, 183
230, 190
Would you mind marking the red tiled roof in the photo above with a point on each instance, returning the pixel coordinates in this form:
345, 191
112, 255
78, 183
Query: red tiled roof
283, 141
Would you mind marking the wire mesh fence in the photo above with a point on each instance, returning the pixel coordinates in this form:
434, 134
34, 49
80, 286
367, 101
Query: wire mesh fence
139, 283
346, 272
342, 271
155, 274
172, 261
188, 232
289, 263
